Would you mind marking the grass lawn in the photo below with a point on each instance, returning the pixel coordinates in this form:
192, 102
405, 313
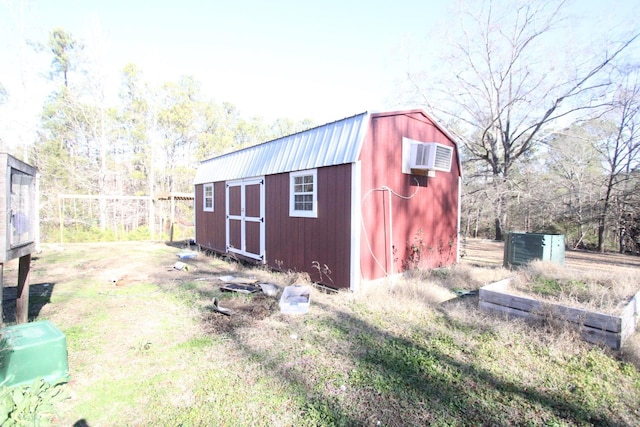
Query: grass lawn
145, 349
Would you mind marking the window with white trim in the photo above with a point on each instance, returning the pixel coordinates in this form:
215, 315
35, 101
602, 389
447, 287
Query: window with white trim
207, 200
304, 194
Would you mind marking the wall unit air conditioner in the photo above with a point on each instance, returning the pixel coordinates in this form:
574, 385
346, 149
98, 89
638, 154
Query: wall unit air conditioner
430, 156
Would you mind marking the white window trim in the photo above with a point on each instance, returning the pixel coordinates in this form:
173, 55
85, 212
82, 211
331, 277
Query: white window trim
297, 213
204, 198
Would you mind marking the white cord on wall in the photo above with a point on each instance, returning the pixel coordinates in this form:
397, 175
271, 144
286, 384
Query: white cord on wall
390, 192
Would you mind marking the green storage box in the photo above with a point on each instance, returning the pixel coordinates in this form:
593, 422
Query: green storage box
522, 248
30, 351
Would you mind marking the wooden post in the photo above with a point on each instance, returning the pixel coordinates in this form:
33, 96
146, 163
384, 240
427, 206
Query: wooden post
152, 217
22, 302
1, 295
173, 215
60, 220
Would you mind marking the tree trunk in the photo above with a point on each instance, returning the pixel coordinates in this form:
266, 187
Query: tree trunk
603, 214
601, 235
500, 210
498, 229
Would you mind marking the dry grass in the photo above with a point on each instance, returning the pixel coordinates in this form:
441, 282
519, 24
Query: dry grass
435, 290
408, 352
595, 290
431, 286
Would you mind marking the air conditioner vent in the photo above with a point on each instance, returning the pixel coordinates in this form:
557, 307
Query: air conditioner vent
430, 156
443, 158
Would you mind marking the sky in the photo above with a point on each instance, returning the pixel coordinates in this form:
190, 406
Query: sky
322, 60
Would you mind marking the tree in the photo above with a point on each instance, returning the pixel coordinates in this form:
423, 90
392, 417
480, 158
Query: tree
76, 125
506, 93
219, 126
136, 121
576, 176
619, 143
148, 143
63, 47
176, 117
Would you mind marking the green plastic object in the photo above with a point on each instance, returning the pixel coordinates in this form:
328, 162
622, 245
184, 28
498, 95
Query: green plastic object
30, 351
522, 248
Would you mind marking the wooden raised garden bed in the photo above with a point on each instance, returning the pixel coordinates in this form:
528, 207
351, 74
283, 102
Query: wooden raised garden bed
595, 327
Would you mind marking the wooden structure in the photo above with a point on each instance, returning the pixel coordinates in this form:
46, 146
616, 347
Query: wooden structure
595, 327
173, 198
359, 199
110, 201
18, 225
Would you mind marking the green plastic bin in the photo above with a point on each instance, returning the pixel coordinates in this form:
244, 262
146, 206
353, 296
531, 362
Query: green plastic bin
30, 351
522, 248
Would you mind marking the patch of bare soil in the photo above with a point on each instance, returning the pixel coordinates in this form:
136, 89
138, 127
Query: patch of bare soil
243, 312
203, 276
489, 253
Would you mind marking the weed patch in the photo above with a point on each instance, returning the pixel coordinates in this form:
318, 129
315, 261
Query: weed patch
30, 405
592, 290
412, 352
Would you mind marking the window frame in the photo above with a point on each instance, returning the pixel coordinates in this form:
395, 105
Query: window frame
205, 208
293, 212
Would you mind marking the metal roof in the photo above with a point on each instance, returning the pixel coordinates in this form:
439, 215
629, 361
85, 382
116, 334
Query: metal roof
175, 196
331, 144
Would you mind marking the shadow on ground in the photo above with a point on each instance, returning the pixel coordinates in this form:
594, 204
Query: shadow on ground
39, 296
396, 381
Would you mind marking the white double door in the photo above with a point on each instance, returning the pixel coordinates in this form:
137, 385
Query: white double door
245, 224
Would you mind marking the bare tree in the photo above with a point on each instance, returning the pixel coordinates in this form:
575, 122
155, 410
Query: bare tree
619, 144
576, 178
506, 88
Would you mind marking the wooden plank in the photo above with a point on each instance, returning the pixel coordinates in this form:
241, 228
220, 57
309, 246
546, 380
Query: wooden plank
501, 285
580, 316
598, 336
22, 301
5, 205
510, 300
630, 316
508, 311
103, 197
592, 335
598, 328
591, 319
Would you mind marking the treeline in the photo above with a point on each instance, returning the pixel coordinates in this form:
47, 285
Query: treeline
583, 183
146, 142
549, 131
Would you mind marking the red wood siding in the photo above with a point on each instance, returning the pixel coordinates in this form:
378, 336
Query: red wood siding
407, 220
319, 246
252, 200
423, 222
235, 202
210, 226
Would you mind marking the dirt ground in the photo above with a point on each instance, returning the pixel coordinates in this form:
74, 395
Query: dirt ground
489, 253
110, 299
127, 264
111, 275
105, 297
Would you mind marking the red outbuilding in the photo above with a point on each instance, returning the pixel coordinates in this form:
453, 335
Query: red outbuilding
358, 199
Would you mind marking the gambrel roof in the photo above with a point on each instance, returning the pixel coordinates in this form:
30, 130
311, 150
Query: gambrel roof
331, 144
